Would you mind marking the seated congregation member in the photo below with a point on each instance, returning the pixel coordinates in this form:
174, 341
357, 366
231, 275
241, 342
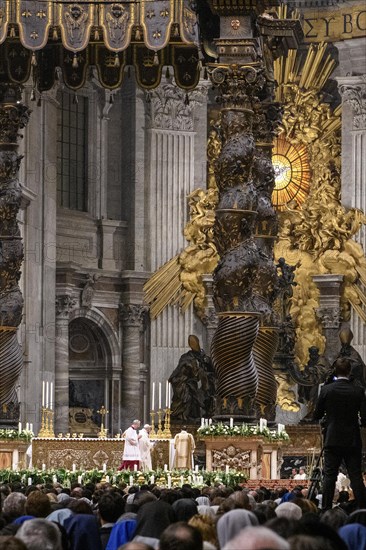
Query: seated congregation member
181, 536
152, 519
135, 546
11, 543
83, 532
38, 505
39, 534
354, 535
185, 509
231, 523
110, 507
257, 538
206, 526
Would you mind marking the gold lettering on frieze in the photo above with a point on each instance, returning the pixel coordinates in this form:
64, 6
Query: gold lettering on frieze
334, 25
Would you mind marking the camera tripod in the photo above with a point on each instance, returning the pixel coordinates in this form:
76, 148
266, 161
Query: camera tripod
316, 477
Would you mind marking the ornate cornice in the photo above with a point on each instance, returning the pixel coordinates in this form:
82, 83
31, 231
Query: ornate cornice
170, 108
353, 92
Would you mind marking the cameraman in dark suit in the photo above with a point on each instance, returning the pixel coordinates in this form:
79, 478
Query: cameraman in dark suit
341, 402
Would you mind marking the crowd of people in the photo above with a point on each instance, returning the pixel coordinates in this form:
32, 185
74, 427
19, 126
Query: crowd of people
104, 517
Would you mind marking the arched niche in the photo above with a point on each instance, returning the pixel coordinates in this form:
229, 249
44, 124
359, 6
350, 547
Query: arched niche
94, 376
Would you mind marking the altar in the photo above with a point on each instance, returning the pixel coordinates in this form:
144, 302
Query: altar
255, 456
89, 453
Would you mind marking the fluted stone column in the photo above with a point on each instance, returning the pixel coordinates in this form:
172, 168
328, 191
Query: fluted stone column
64, 305
353, 92
171, 177
133, 318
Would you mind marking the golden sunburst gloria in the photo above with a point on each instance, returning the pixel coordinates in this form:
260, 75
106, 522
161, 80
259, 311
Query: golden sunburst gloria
292, 173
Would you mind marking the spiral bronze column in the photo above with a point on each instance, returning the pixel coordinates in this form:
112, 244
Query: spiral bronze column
13, 117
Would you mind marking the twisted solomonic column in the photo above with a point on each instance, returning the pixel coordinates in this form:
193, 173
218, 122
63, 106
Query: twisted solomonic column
231, 348
13, 117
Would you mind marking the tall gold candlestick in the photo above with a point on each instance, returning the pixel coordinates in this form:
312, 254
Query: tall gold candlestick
167, 433
152, 416
160, 431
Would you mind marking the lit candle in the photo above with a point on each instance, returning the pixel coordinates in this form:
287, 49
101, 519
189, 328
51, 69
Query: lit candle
29, 481
153, 397
51, 395
104, 467
210, 422
262, 423
170, 394
47, 388
131, 480
27, 426
79, 479
196, 468
169, 481
135, 467
19, 427
165, 467
152, 479
107, 479
227, 469
31, 427
159, 395
42, 393
231, 422
43, 467
202, 422
73, 467
181, 480
166, 393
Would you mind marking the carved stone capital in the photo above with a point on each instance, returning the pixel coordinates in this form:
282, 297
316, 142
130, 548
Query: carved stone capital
64, 305
329, 316
13, 114
353, 92
133, 315
170, 108
211, 319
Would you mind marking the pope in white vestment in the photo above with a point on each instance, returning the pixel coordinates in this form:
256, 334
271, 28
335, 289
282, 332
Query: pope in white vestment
145, 445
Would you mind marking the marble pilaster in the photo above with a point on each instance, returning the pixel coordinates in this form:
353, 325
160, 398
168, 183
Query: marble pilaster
329, 311
133, 318
171, 159
64, 305
353, 92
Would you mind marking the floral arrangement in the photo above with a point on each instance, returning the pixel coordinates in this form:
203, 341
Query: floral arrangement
162, 478
244, 430
24, 435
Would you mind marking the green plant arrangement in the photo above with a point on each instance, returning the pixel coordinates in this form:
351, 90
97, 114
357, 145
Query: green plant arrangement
162, 478
24, 435
244, 430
